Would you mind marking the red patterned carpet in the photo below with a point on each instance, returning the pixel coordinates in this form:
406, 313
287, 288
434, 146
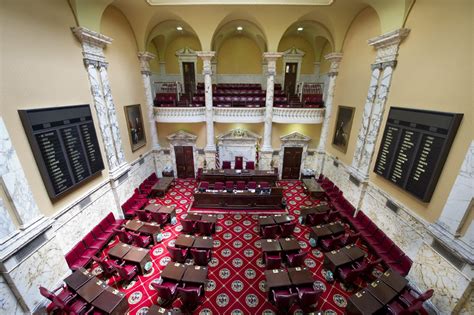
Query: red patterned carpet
236, 281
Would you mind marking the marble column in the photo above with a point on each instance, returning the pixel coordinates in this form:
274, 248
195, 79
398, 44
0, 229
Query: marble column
335, 59
210, 149
456, 211
93, 45
266, 151
317, 70
387, 46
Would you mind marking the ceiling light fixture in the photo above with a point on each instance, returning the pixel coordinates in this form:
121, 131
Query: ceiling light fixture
179, 28
240, 28
299, 29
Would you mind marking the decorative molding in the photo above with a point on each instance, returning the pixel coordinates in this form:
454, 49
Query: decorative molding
237, 142
335, 59
182, 138
187, 55
387, 45
240, 2
144, 57
271, 58
298, 115
294, 139
293, 55
238, 115
239, 134
93, 43
180, 114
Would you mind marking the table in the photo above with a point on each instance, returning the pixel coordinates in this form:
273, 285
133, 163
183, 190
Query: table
78, 278
157, 310
277, 278
335, 259
203, 242
134, 225
111, 301
267, 220
304, 211
138, 256
213, 176
354, 252
91, 290
381, 291
363, 303
394, 280
336, 227
153, 229
269, 245
195, 274
314, 189
300, 276
209, 218
281, 219
173, 271
160, 188
153, 207
325, 230
171, 210
289, 244
193, 217
119, 250
184, 240
240, 200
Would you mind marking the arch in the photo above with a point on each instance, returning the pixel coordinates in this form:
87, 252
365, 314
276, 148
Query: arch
229, 29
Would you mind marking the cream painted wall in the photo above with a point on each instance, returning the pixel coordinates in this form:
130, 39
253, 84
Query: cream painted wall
197, 129
353, 80
421, 80
48, 75
154, 63
324, 66
172, 61
307, 64
280, 130
125, 77
239, 55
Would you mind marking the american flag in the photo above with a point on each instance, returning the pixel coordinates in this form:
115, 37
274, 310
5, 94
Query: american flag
218, 162
257, 149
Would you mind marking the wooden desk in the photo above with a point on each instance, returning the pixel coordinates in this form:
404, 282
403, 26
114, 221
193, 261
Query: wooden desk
209, 218
281, 219
314, 189
157, 310
354, 252
239, 200
184, 241
153, 207
277, 278
171, 210
382, 292
138, 256
91, 290
119, 250
321, 231
193, 217
304, 211
195, 274
160, 188
266, 220
300, 276
270, 245
203, 242
394, 280
111, 301
153, 229
335, 259
289, 244
133, 225
363, 303
173, 271
213, 176
336, 227
78, 278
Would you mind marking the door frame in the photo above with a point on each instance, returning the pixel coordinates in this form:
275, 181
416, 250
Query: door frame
187, 55
292, 55
283, 161
184, 79
183, 138
294, 139
192, 150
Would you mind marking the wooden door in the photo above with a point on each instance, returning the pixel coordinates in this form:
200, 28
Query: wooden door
189, 78
184, 161
292, 163
291, 71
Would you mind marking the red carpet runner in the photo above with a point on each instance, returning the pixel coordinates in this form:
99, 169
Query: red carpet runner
236, 280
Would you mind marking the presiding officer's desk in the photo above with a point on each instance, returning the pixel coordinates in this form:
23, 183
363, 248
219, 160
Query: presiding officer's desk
239, 199
213, 176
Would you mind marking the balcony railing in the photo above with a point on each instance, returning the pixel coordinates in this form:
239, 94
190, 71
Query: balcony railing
239, 115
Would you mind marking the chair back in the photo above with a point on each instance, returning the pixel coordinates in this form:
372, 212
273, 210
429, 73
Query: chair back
200, 256
252, 185
204, 185
124, 236
226, 165
188, 226
160, 218
239, 163
219, 186
272, 262
46, 293
270, 231
140, 240
297, 260
250, 165
126, 273
229, 185
166, 291
189, 297
264, 185
283, 302
425, 296
142, 215
309, 299
177, 254
287, 229
240, 185
204, 227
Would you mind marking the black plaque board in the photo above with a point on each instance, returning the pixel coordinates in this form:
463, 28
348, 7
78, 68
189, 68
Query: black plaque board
414, 148
64, 144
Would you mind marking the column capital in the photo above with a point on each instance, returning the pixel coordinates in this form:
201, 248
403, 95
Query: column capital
93, 43
144, 57
272, 56
206, 55
335, 59
387, 44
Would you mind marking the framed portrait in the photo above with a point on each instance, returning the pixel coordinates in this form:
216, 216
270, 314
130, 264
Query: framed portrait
136, 129
342, 130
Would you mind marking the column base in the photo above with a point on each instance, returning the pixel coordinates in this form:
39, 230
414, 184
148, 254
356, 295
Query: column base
210, 157
265, 160
361, 177
320, 158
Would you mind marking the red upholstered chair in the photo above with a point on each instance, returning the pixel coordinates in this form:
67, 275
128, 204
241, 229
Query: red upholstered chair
188, 226
110, 218
201, 256
250, 165
64, 295
178, 254
313, 219
411, 296
283, 300
101, 235
82, 251
349, 239
295, 259
190, 297
272, 260
330, 243
143, 215
286, 229
204, 227
229, 185
126, 272
269, 231
160, 218
239, 161
396, 308
203, 186
240, 185
308, 298
219, 186
226, 165
106, 265
166, 291
124, 236
92, 243
142, 241
320, 178
252, 185
72, 306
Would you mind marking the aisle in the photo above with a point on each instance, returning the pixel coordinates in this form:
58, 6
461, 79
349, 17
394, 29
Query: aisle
236, 280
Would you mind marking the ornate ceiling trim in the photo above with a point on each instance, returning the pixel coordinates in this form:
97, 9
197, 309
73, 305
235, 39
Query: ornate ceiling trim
241, 2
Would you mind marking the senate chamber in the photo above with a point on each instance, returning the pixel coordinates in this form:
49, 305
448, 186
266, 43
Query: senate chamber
248, 157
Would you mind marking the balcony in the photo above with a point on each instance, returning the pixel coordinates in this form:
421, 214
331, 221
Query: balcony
239, 115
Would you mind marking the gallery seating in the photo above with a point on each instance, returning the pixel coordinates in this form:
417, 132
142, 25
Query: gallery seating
165, 100
134, 203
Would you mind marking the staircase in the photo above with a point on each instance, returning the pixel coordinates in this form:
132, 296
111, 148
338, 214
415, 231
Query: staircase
294, 101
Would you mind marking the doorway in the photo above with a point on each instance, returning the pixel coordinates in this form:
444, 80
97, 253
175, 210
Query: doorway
291, 70
189, 78
184, 161
291, 162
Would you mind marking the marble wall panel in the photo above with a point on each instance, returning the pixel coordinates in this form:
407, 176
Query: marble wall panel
8, 302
